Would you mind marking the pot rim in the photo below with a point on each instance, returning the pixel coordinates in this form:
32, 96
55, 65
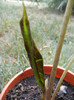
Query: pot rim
28, 72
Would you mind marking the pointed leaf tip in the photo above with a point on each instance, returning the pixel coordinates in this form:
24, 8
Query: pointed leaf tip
34, 55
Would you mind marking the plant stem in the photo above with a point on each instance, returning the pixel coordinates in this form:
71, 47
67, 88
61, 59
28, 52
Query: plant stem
61, 79
59, 47
43, 96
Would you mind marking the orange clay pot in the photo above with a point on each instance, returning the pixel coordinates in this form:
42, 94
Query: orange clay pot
28, 72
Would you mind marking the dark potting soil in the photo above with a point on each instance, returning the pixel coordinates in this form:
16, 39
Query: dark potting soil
27, 89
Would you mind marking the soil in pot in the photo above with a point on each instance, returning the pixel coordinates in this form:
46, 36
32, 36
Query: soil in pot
27, 89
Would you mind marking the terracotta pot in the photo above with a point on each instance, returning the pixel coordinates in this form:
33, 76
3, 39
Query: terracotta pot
28, 72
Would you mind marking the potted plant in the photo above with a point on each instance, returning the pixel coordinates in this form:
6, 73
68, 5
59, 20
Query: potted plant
36, 60
28, 73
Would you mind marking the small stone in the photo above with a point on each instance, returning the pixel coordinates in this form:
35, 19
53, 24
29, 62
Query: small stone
17, 91
22, 88
63, 89
62, 92
19, 84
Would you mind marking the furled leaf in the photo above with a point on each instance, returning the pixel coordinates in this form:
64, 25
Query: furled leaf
34, 55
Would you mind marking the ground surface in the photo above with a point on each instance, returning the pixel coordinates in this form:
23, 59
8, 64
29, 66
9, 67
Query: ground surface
45, 26
28, 89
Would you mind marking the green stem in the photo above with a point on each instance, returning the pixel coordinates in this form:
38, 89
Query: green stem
59, 47
61, 79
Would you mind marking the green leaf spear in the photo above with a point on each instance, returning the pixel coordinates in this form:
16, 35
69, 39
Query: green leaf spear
34, 56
